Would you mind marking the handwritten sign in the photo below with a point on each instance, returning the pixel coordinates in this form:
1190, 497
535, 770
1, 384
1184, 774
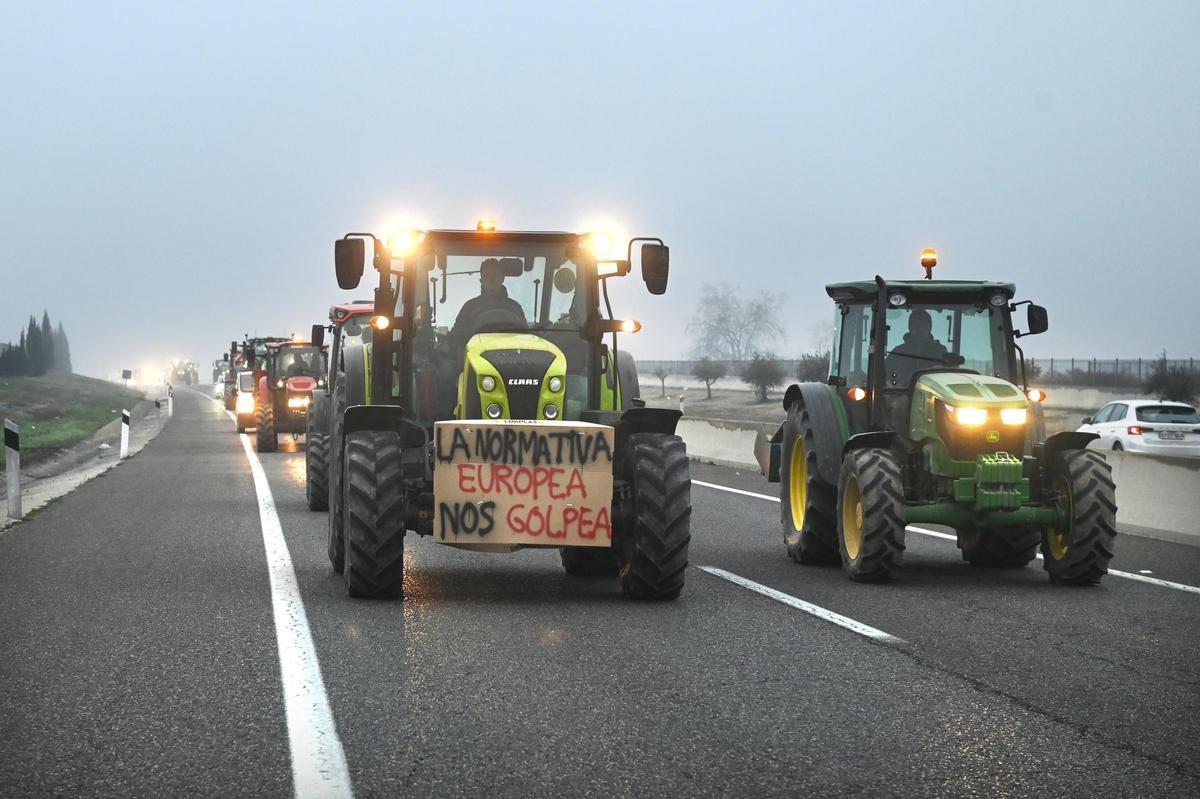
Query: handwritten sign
523, 483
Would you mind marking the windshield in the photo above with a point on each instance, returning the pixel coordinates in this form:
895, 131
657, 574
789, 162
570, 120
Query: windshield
960, 336
356, 330
297, 361
1177, 414
468, 288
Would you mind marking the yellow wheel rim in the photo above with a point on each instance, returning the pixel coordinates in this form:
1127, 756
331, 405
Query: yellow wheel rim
852, 518
798, 484
1058, 540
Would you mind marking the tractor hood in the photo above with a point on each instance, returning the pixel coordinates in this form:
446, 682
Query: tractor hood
961, 388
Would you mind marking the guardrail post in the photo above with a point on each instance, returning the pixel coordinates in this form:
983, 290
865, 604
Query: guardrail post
12, 464
124, 434
170, 401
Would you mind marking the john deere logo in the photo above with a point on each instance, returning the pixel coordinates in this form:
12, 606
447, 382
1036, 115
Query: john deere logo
523, 381
993, 436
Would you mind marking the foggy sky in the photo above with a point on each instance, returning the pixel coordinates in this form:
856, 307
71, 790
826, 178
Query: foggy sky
171, 178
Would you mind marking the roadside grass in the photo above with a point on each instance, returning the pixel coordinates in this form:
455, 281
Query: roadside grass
57, 411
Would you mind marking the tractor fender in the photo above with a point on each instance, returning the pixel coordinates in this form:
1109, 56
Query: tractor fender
634, 420
1058, 442
264, 391
627, 379
385, 418
878, 439
355, 375
817, 399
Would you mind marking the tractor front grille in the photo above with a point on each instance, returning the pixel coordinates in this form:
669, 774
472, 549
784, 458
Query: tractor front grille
521, 372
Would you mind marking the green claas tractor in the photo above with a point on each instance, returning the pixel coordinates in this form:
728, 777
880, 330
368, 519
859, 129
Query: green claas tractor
926, 417
349, 324
493, 410
288, 372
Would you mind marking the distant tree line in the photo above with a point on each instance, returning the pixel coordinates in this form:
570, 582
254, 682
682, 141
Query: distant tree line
42, 348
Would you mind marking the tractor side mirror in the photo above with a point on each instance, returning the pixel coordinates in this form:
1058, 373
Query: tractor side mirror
656, 266
1086, 420
318, 335
348, 257
248, 355
1037, 320
232, 351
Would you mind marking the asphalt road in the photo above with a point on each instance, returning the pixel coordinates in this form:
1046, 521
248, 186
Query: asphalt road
138, 657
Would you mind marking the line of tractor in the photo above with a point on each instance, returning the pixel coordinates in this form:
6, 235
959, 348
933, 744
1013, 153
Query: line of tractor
482, 398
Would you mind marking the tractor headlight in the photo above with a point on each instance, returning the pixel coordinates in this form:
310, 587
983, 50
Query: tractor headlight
968, 417
494, 411
555, 384
551, 411
998, 300
487, 383
896, 300
297, 402
279, 383
1013, 415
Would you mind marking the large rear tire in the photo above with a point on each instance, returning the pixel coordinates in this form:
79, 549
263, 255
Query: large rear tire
1010, 548
654, 550
590, 562
374, 516
265, 438
335, 541
1078, 552
316, 470
809, 504
871, 515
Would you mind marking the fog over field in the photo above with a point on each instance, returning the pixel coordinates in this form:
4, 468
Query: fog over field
173, 177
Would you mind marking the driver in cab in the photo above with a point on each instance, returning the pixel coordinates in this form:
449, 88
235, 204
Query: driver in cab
493, 309
919, 350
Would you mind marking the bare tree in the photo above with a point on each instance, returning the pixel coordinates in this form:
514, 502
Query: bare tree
708, 372
661, 372
732, 327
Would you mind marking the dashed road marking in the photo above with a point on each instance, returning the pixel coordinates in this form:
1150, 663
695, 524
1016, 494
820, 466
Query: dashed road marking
814, 610
318, 760
1141, 578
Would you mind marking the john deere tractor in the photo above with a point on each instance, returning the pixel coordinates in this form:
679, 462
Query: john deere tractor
349, 324
493, 410
926, 418
290, 370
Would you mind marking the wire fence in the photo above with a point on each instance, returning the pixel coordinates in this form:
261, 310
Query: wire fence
1097, 372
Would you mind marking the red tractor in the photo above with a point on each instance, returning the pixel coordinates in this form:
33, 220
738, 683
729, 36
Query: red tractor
290, 370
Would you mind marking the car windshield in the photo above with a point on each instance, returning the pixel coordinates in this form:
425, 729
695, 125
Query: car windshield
960, 336
296, 361
1166, 414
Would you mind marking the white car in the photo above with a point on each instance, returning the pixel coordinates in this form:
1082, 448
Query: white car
1160, 428
218, 391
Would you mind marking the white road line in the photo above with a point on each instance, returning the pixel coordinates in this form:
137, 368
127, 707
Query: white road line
807, 607
318, 760
1141, 578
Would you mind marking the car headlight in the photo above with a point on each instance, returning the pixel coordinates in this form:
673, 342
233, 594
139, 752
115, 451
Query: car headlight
245, 402
1013, 415
555, 384
551, 411
487, 383
968, 417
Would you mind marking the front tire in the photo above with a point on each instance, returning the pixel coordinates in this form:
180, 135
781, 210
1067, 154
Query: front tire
1078, 552
335, 541
809, 504
871, 515
373, 516
316, 471
654, 550
265, 439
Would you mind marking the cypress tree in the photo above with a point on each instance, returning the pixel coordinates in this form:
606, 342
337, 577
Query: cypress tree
62, 350
49, 358
21, 359
34, 364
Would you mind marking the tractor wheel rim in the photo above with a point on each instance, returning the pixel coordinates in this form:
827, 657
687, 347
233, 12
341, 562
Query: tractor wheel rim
798, 485
1058, 538
852, 518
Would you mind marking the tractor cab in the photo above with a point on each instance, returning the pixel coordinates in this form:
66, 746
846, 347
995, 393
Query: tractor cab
908, 355
489, 324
